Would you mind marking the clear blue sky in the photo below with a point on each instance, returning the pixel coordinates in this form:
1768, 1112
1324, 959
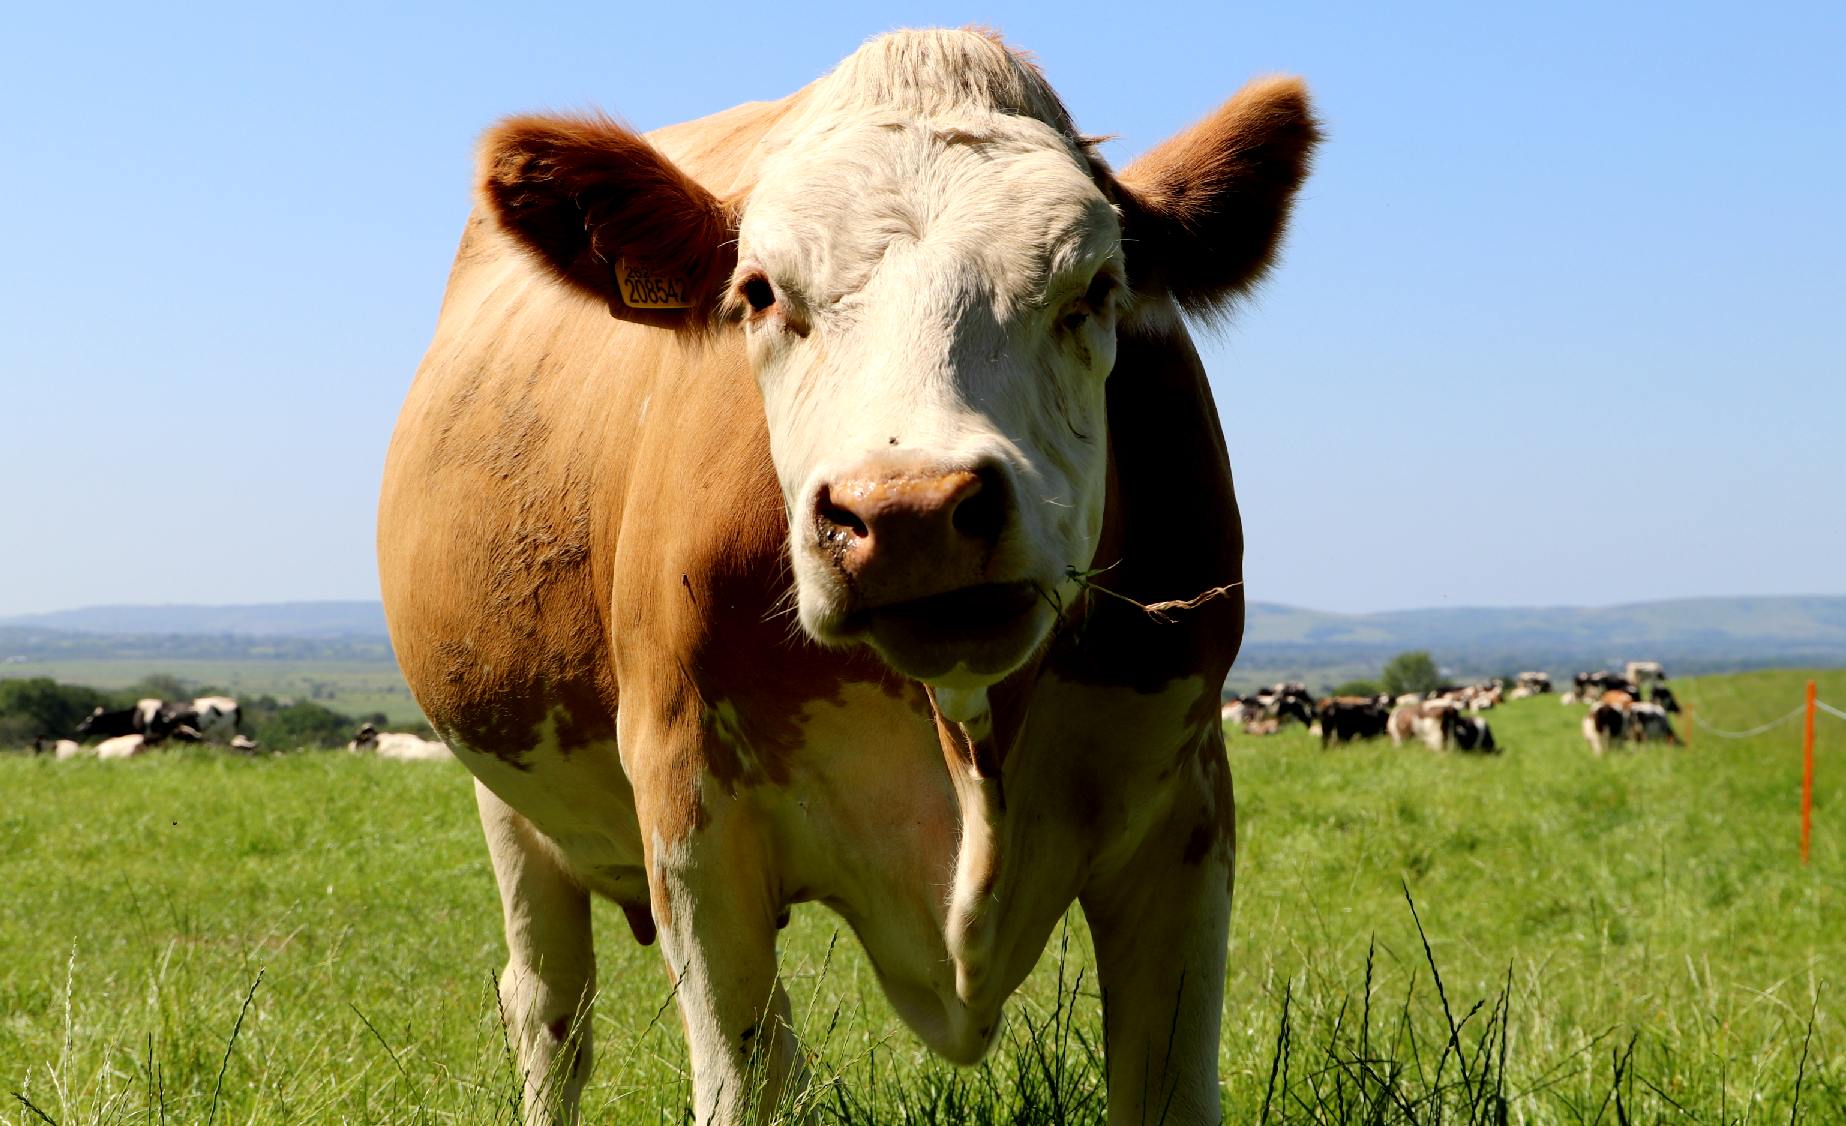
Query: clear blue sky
1563, 318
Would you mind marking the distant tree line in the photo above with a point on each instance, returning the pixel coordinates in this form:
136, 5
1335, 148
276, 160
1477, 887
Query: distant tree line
40, 706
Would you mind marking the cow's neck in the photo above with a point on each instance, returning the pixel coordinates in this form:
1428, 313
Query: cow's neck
1169, 491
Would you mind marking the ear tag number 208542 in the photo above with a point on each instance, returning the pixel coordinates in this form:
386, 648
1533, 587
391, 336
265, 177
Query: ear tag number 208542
644, 289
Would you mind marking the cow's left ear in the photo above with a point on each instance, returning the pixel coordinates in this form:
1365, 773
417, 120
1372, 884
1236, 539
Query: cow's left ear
609, 215
1203, 212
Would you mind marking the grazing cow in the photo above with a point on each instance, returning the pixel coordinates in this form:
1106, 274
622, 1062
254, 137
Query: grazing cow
215, 718
1604, 725
1662, 695
1346, 718
399, 745
860, 339
1643, 673
61, 748
1287, 701
102, 723
1649, 723
1432, 721
1533, 682
1294, 707
1473, 733
1241, 710
1591, 686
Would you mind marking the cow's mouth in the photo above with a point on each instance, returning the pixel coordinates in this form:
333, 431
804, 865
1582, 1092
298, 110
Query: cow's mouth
985, 630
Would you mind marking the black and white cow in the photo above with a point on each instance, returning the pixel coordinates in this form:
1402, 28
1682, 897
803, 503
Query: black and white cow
215, 718
102, 723
1346, 718
1473, 733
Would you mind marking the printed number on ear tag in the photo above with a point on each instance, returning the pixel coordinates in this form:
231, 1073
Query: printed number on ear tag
643, 289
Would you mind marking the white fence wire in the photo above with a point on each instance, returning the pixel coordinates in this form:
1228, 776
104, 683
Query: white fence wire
1699, 722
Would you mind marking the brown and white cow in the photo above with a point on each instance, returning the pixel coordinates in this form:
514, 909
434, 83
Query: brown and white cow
738, 530
1432, 721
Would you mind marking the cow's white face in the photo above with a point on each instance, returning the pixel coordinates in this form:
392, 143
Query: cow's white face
930, 309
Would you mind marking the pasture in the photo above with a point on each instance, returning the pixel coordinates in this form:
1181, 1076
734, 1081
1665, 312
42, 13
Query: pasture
193, 938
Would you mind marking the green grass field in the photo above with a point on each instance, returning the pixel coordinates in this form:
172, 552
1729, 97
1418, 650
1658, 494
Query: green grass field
310, 938
349, 687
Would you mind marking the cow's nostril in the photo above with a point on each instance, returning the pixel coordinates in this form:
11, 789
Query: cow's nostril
981, 515
835, 520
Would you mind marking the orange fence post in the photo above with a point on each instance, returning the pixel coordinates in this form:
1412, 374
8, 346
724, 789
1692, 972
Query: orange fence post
1807, 777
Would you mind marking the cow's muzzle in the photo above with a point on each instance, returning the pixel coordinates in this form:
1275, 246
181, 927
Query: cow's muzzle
919, 555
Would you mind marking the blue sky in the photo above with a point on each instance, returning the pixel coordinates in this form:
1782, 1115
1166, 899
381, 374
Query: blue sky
1562, 319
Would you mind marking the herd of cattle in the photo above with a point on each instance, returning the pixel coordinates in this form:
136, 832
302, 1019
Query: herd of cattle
151, 723
1448, 718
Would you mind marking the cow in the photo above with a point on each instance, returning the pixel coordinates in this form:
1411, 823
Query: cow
1346, 718
823, 500
1286, 701
123, 746
1662, 695
59, 748
399, 745
1590, 686
1473, 733
104, 723
1643, 673
1604, 725
1649, 722
1432, 721
1532, 683
215, 718
1236, 709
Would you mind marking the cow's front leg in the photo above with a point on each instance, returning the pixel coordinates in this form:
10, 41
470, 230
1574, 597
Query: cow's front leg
714, 902
1160, 922
550, 974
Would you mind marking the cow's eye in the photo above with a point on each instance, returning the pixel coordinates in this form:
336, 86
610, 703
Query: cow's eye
757, 292
1101, 286
1095, 300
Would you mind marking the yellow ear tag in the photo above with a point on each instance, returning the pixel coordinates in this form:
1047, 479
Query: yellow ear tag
642, 289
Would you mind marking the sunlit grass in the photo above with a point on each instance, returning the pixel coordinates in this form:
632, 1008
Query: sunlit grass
1635, 930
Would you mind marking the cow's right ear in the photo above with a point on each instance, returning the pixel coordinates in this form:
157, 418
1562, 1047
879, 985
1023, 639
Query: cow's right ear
606, 213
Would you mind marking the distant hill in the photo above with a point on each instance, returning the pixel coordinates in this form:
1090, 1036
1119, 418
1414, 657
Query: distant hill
262, 619
1690, 635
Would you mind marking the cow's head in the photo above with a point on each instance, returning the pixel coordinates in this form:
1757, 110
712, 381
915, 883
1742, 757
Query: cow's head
929, 268
88, 723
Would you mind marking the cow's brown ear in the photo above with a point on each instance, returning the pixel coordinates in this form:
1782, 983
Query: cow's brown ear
1203, 212
609, 215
